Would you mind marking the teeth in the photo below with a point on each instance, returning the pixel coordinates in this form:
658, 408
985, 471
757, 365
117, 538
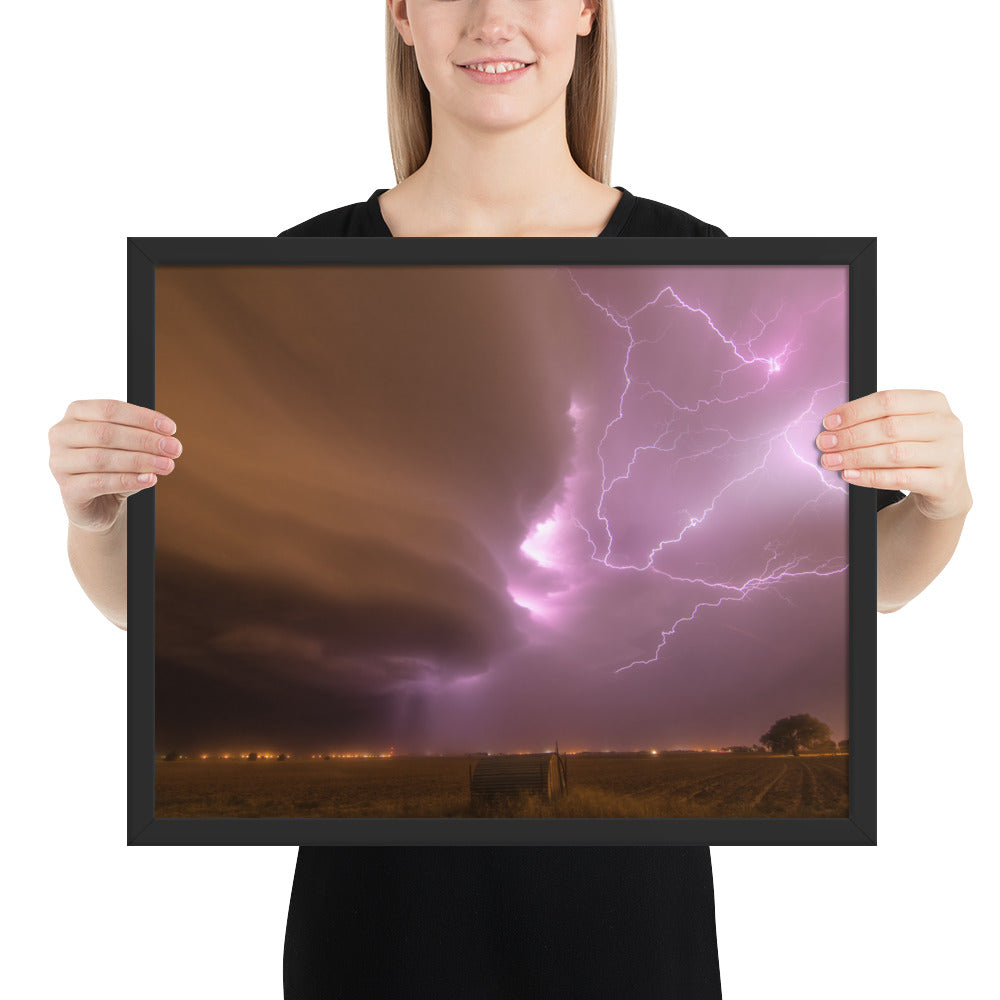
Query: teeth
496, 67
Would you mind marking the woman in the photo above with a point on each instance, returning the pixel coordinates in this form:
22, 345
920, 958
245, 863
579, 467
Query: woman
521, 153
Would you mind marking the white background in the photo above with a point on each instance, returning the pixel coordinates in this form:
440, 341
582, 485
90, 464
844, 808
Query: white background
216, 118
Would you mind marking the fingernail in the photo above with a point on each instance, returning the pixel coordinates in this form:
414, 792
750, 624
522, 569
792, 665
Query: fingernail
851, 473
167, 426
832, 421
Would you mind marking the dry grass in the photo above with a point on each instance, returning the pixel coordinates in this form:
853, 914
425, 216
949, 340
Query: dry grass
665, 786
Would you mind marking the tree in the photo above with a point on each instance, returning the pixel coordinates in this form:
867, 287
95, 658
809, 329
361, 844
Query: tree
795, 733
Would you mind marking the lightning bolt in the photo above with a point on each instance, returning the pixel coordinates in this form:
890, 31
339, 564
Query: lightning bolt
664, 445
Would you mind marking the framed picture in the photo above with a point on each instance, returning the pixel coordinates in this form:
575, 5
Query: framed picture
501, 541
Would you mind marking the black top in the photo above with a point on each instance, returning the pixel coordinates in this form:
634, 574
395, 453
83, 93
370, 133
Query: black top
496, 922
632, 216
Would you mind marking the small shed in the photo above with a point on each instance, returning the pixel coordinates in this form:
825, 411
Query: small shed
510, 774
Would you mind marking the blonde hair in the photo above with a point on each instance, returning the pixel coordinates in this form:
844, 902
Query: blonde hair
590, 100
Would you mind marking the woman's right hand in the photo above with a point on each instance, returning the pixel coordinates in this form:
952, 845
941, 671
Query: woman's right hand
100, 451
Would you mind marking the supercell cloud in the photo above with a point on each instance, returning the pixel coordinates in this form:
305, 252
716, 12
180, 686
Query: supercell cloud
482, 508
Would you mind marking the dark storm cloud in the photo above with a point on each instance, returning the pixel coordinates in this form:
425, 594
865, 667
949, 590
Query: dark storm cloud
339, 552
359, 462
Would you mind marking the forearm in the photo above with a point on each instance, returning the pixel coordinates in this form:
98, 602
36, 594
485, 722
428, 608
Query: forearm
912, 549
100, 564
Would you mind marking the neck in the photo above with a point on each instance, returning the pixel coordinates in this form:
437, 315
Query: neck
498, 182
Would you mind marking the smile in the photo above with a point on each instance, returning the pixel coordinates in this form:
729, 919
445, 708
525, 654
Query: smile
496, 72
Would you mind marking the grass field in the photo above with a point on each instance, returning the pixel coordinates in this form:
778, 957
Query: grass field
707, 785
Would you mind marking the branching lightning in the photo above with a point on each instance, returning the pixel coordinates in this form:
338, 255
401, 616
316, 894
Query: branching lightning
665, 443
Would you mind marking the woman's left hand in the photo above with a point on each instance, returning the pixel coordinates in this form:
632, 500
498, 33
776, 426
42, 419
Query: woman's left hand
901, 439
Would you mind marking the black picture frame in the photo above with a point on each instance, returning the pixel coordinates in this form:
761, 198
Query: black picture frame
145, 255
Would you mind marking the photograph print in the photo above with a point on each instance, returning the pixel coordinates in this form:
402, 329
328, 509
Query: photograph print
501, 541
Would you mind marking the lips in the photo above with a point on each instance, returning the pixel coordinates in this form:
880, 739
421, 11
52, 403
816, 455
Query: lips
483, 76
490, 62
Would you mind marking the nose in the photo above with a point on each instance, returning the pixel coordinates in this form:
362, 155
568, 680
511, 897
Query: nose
491, 21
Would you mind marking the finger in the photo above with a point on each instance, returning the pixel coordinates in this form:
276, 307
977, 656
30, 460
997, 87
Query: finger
897, 455
908, 427
884, 403
924, 481
99, 434
74, 461
117, 411
85, 487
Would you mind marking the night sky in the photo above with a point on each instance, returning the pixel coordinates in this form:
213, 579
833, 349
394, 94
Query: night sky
453, 509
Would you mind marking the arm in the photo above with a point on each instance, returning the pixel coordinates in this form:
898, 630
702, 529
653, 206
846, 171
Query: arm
100, 560
904, 439
912, 550
100, 453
